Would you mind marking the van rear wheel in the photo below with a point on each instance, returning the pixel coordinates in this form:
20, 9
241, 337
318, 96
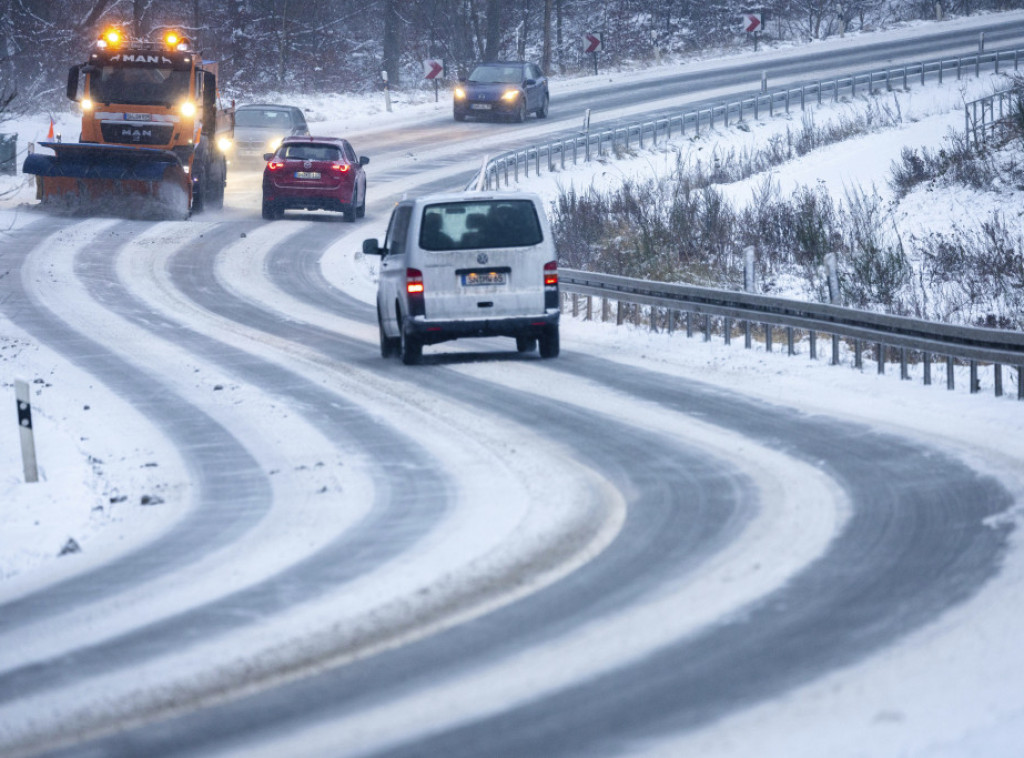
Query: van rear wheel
389, 346
526, 344
411, 348
549, 342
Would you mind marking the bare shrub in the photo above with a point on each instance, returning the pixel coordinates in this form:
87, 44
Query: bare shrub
876, 269
912, 169
978, 274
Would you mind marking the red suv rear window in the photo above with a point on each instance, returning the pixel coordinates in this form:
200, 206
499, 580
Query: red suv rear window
311, 152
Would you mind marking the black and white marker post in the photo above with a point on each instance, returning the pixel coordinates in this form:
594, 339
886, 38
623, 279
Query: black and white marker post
28, 443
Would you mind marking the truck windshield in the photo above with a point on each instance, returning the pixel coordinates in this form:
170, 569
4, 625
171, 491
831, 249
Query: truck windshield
480, 224
139, 85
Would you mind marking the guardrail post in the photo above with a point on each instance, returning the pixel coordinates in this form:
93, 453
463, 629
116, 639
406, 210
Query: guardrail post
926, 358
590, 308
768, 338
975, 384
575, 305
654, 316
903, 364
746, 334
789, 341
819, 92
959, 66
880, 356
997, 379
636, 314
707, 327
727, 328
857, 355
671, 320
922, 74
835, 349
689, 324
950, 379
1020, 382
814, 344
604, 309
619, 315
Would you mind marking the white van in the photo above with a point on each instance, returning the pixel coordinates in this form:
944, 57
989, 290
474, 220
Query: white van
467, 264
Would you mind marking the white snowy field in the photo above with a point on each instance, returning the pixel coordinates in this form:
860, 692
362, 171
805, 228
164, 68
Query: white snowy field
99, 457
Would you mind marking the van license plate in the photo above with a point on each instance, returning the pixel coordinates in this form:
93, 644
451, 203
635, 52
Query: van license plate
476, 279
307, 174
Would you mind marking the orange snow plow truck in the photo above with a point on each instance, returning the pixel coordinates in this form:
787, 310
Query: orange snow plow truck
150, 142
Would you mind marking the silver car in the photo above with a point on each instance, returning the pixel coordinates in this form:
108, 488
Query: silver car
468, 264
260, 128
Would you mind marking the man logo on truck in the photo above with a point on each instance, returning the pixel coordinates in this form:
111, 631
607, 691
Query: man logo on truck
129, 58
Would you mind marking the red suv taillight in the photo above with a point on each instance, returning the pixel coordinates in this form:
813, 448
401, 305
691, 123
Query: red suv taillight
340, 168
275, 165
551, 274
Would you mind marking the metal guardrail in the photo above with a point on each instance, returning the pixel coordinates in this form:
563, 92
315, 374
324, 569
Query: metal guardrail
980, 119
506, 168
670, 306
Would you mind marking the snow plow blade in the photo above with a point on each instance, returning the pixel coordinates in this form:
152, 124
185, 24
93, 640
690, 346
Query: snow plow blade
111, 179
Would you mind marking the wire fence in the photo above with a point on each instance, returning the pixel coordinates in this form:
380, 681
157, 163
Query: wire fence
991, 116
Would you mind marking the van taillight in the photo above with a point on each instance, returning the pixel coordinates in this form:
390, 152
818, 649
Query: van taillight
551, 274
414, 281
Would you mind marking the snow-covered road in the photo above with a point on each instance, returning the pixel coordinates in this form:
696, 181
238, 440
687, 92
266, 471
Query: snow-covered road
646, 546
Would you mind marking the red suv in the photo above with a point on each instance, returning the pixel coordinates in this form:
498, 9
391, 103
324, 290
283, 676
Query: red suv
314, 173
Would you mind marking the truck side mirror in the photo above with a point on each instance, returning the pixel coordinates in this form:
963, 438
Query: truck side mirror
73, 75
209, 103
371, 247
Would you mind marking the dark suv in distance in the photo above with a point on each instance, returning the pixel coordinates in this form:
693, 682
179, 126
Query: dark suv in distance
507, 90
314, 173
260, 128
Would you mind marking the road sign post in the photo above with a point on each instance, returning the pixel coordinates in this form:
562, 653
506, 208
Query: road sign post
752, 24
387, 90
433, 69
593, 42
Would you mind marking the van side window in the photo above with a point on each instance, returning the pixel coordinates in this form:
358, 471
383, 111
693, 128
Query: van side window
398, 229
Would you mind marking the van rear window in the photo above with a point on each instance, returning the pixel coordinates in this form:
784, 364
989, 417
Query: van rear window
479, 224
